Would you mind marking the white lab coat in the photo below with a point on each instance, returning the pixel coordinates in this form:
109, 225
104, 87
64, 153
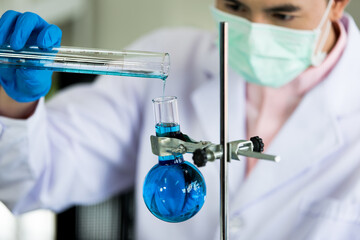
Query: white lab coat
92, 141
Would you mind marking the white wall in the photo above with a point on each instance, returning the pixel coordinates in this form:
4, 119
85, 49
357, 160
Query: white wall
120, 22
116, 23
354, 10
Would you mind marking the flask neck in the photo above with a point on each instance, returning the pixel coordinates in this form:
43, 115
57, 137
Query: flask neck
171, 160
169, 130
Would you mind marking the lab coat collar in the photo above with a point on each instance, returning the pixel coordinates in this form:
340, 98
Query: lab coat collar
343, 83
310, 117
312, 132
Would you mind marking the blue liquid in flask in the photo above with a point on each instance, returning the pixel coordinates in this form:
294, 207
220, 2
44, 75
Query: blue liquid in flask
174, 189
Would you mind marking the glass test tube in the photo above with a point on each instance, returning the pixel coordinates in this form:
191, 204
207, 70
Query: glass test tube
167, 123
91, 61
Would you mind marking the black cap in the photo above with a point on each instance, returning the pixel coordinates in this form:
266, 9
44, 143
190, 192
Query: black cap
199, 157
258, 144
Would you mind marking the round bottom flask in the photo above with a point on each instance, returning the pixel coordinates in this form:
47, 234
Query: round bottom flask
174, 190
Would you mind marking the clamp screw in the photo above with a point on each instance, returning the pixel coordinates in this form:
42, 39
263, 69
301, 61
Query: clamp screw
200, 157
258, 144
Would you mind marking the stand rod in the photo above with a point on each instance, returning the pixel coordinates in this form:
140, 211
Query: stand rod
224, 130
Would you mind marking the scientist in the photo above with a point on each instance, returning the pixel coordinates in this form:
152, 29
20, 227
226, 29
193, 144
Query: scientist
294, 80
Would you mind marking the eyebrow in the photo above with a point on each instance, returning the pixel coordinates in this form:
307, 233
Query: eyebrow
288, 7
283, 8
235, 2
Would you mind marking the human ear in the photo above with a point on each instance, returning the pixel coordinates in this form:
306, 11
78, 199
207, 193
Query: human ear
337, 9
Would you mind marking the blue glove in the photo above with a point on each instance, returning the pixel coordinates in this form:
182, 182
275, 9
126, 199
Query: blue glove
18, 30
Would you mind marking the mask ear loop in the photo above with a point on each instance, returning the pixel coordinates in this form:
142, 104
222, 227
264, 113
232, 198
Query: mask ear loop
319, 56
326, 14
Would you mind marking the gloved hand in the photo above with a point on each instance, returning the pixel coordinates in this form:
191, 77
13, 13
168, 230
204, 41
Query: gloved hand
18, 30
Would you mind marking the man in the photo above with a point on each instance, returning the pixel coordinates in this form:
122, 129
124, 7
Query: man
300, 94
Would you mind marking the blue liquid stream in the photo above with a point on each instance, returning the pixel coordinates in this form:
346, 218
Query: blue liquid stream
174, 190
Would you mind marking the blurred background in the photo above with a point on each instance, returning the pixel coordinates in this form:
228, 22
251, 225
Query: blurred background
108, 24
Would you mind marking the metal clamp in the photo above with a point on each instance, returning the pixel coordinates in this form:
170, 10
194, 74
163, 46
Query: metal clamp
165, 146
205, 151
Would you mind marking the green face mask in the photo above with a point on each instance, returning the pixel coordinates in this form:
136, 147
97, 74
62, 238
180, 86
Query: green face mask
269, 55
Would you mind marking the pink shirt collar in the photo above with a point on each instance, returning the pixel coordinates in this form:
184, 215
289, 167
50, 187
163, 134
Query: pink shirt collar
267, 109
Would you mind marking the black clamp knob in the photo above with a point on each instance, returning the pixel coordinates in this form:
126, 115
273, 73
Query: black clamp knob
258, 144
200, 157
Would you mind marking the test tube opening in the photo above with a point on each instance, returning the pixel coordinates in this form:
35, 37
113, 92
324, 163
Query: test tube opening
166, 110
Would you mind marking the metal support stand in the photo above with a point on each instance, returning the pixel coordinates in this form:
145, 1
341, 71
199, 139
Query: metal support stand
224, 130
